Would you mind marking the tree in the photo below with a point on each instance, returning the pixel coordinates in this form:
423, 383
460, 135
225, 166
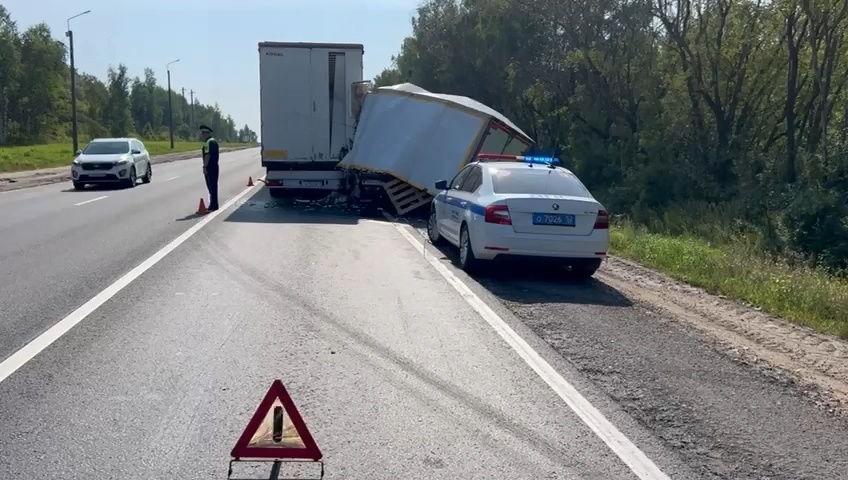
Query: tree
35, 98
668, 109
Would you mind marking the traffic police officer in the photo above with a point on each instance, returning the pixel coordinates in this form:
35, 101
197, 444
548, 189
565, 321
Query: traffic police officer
210, 165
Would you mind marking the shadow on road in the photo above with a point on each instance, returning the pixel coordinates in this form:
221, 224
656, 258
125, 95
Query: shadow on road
262, 208
191, 217
110, 187
535, 283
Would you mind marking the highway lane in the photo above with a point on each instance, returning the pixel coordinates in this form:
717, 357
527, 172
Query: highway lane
59, 246
396, 373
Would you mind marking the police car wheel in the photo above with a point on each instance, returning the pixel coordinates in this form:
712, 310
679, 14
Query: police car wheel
79, 186
148, 175
467, 260
432, 229
584, 271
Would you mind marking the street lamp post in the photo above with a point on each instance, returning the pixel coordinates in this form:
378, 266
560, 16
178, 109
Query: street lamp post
70, 35
170, 105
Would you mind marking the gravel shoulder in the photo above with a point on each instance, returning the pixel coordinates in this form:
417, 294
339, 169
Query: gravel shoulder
35, 178
807, 357
735, 392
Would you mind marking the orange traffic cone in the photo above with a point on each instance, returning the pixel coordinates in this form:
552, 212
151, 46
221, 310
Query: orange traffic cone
201, 208
249, 181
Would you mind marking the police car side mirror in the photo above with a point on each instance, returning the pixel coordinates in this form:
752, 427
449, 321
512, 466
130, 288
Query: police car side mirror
442, 185
136, 152
79, 152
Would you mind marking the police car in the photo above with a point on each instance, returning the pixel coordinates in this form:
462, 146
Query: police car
520, 207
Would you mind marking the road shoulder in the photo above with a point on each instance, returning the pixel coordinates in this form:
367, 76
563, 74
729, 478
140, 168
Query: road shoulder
807, 357
727, 412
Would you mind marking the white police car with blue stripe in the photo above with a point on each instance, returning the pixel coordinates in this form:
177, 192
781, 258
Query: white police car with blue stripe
521, 209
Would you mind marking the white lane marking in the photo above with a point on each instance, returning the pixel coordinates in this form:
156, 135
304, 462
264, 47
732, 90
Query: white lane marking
92, 200
629, 453
33, 348
172, 178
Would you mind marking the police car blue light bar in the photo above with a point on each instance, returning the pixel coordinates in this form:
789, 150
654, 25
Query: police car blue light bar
518, 158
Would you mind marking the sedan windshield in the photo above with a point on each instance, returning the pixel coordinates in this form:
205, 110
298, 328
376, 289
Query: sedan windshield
537, 181
106, 148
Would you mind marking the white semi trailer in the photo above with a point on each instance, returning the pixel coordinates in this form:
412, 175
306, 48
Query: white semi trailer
309, 97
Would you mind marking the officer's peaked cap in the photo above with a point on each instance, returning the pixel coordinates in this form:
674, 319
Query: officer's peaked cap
204, 128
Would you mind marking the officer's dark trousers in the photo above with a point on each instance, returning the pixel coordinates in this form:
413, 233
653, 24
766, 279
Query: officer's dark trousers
212, 185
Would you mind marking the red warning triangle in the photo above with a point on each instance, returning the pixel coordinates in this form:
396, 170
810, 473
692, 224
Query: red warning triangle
277, 430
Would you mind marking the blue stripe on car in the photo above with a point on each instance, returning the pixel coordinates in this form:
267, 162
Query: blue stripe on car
457, 202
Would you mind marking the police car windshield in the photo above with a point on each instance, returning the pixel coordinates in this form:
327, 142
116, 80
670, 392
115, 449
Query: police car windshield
106, 148
537, 180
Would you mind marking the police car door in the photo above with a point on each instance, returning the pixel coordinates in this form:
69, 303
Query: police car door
449, 224
466, 196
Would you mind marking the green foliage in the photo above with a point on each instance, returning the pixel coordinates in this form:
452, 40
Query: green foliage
805, 296
33, 157
35, 98
711, 111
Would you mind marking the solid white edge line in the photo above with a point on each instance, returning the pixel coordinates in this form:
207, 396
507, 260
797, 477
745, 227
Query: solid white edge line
92, 200
36, 346
627, 451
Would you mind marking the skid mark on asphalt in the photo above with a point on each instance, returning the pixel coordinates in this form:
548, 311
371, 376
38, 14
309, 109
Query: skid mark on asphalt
92, 200
629, 453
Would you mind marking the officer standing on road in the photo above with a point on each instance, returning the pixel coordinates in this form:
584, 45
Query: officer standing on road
210, 165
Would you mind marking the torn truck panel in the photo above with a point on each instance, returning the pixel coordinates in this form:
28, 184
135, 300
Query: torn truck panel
420, 137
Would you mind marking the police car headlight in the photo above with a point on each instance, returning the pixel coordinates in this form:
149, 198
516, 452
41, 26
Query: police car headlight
122, 162
76, 161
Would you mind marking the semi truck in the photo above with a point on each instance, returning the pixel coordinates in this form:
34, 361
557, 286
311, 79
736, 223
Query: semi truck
310, 96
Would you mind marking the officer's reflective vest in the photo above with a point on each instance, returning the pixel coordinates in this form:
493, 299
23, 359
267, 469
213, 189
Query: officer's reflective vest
206, 144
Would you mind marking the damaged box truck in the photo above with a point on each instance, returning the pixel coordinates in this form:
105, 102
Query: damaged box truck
327, 132
408, 138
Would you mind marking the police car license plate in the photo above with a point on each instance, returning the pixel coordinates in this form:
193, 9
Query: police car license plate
557, 219
97, 175
307, 183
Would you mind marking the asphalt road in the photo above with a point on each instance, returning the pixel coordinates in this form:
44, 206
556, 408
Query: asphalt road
60, 246
401, 366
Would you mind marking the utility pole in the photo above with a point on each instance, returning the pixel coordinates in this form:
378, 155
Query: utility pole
70, 35
191, 92
182, 92
170, 104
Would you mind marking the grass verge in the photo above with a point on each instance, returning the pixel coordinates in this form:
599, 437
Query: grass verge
804, 296
34, 157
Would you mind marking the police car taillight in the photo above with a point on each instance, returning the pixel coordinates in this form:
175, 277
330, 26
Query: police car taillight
498, 214
602, 220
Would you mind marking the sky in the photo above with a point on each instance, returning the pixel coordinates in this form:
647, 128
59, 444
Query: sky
216, 41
